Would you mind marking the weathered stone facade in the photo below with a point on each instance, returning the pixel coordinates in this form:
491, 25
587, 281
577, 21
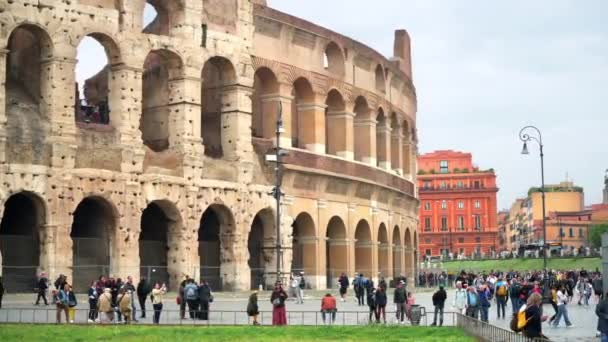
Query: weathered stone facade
173, 181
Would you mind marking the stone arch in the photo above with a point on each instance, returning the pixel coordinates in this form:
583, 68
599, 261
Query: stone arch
364, 130
161, 223
363, 248
217, 76
216, 247
259, 243
336, 250
304, 244
265, 102
380, 79
21, 240
333, 59
383, 250
162, 70
397, 252
27, 96
382, 139
303, 96
169, 14
336, 124
93, 246
99, 93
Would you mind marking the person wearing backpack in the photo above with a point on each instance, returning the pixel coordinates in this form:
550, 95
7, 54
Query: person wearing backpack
191, 296
205, 297
484, 303
514, 291
502, 296
371, 302
533, 317
439, 298
359, 290
472, 302
399, 298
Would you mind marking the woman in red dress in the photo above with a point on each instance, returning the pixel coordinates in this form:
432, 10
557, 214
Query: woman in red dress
278, 297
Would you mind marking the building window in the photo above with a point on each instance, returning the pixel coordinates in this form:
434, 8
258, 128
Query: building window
427, 241
478, 239
443, 166
443, 185
460, 184
427, 205
460, 240
444, 204
445, 241
460, 204
561, 232
427, 223
580, 232
571, 232
461, 222
477, 204
444, 223
427, 252
477, 221
476, 185
427, 185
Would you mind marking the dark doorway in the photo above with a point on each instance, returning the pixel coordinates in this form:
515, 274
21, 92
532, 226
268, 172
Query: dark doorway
153, 245
209, 249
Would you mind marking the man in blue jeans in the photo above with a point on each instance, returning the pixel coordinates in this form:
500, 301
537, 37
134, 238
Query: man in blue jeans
502, 295
514, 292
484, 302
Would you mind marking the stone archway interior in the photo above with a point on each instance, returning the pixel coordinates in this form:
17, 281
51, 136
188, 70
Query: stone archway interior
383, 252
153, 245
363, 249
92, 228
259, 245
397, 252
19, 243
336, 251
304, 242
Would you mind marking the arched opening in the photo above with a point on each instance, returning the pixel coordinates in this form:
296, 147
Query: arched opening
380, 79
157, 221
149, 15
218, 75
333, 59
302, 96
92, 229
22, 221
336, 251
363, 249
363, 120
382, 139
383, 249
160, 16
395, 142
26, 98
406, 148
304, 245
397, 252
409, 253
215, 246
96, 55
162, 68
265, 104
259, 244
336, 120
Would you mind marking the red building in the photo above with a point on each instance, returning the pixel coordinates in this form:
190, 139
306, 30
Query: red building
457, 206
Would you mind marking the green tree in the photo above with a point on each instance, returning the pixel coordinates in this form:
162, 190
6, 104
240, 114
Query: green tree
595, 234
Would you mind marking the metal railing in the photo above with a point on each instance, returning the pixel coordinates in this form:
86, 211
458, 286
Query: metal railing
488, 332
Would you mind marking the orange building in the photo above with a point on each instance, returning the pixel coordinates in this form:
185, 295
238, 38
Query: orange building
569, 229
458, 206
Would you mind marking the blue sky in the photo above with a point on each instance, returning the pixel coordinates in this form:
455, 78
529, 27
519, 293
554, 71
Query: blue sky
483, 70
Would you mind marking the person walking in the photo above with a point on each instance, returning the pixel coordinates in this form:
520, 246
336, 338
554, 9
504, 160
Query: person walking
408, 305
328, 308
554, 301
124, 304
601, 310
61, 302
252, 307
381, 301
143, 291
502, 296
43, 285
598, 286
359, 289
472, 302
1, 291
157, 301
460, 298
205, 297
293, 288
277, 299
181, 300
371, 303
131, 288
72, 302
343, 281
534, 318
514, 293
439, 298
93, 298
562, 309
484, 303
300, 288
399, 298
191, 296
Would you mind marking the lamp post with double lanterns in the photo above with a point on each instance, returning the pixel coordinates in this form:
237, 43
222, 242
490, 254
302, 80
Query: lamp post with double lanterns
528, 134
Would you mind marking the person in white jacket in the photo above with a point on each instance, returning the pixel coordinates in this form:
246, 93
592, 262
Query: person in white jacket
460, 298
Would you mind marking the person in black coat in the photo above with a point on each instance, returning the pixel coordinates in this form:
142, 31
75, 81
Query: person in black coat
343, 280
205, 297
143, 291
534, 317
371, 302
381, 301
439, 298
601, 310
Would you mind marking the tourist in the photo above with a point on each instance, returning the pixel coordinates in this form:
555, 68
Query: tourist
205, 297
104, 304
408, 306
181, 301
143, 291
131, 288
61, 302
359, 287
371, 303
484, 302
514, 293
439, 298
472, 302
343, 281
598, 286
157, 301
460, 298
192, 298
60, 282
399, 298
43, 285
328, 307
93, 298
382, 284
71, 302
368, 284
115, 286
533, 328
252, 307
1, 291
300, 288
294, 284
277, 299
502, 296
124, 304
601, 310
584, 290
562, 309
554, 301
381, 302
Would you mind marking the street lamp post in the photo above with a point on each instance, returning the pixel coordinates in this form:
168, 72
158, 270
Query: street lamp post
526, 135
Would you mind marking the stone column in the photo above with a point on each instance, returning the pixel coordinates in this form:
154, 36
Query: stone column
3, 119
407, 169
383, 141
270, 111
124, 241
365, 141
340, 134
397, 151
236, 122
311, 122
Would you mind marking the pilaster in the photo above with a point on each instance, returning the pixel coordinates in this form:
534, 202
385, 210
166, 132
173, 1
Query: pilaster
340, 134
365, 144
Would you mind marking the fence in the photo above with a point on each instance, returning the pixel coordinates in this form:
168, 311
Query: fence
488, 332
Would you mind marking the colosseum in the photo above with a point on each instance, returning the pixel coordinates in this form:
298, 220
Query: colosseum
160, 168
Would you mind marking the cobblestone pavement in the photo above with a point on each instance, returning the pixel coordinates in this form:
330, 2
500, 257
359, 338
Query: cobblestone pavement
229, 308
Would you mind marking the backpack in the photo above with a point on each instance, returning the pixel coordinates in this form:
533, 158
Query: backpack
502, 291
302, 283
519, 321
515, 290
190, 293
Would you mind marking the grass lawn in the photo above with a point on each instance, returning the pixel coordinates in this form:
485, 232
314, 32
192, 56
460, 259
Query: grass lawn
523, 264
216, 334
